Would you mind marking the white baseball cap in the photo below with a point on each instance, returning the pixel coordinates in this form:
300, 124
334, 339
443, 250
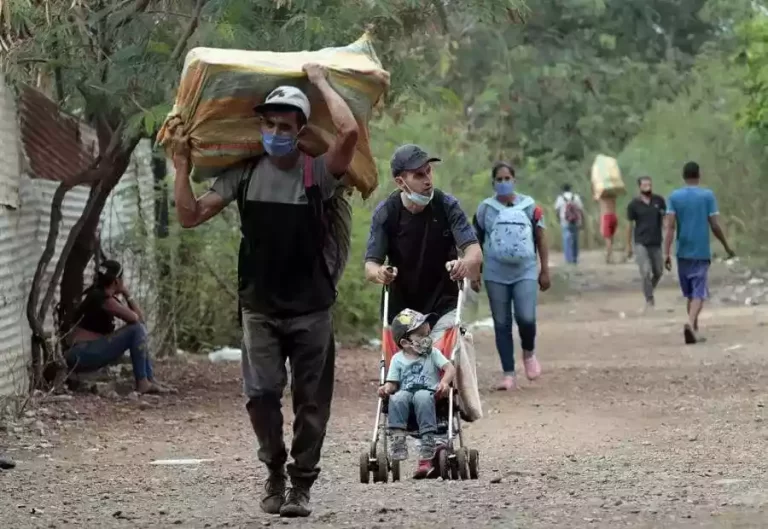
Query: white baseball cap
286, 95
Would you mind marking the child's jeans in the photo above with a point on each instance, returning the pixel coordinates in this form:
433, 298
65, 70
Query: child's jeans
422, 402
92, 356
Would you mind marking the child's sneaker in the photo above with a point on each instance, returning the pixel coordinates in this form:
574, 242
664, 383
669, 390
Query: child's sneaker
424, 469
398, 449
428, 444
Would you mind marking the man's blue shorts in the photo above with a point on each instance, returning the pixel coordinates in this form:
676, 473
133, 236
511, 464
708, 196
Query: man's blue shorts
692, 274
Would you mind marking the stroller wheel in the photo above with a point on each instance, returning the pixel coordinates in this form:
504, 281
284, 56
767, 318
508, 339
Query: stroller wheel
474, 464
365, 469
453, 465
381, 474
461, 463
394, 466
442, 463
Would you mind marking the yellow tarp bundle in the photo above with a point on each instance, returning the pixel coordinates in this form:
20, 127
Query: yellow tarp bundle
606, 177
219, 89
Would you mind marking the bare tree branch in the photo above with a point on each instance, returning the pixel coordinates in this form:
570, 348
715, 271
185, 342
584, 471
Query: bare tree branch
223, 284
114, 146
188, 32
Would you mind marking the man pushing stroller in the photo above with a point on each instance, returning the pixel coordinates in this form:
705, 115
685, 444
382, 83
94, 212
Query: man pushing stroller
414, 385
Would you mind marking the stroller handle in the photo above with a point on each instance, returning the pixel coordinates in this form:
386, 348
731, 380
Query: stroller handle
385, 312
462, 284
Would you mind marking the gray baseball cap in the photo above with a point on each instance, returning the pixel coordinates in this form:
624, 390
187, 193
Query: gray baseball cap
407, 321
409, 157
286, 95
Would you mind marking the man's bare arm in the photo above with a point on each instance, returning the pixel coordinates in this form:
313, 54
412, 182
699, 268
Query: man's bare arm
629, 238
473, 257
717, 231
543, 249
192, 211
340, 153
671, 223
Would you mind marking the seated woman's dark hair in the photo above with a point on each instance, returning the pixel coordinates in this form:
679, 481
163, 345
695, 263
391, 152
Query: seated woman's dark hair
108, 272
499, 166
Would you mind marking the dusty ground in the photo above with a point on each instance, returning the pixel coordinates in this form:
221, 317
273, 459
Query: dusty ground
628, 427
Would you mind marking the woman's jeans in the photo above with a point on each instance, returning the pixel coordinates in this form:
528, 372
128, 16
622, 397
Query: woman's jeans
84, 357
521, 295
571, 244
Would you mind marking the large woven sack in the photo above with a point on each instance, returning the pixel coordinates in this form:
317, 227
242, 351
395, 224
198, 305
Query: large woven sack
219, 89
606, 177
466, 378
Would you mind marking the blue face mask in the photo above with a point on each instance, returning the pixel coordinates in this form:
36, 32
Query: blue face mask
504, 188
277, 145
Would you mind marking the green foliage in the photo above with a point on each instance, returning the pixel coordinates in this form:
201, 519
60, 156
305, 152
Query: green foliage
699, 125
754, 55
469, 83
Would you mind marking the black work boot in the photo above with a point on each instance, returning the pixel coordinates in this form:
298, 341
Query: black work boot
274, 493
297, 502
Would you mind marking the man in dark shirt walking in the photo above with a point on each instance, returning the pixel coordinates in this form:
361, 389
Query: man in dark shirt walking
645, 214
420, 231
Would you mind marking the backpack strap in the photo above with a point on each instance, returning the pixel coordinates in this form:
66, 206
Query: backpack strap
309, 172
315, 200
242, 187
394, 207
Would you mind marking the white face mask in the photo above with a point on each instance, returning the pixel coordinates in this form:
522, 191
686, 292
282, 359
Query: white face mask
418, 198
422, 346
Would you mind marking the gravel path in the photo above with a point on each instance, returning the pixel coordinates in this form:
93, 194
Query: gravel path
627, 428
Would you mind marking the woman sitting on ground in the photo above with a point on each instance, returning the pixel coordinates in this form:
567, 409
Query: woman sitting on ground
96, 344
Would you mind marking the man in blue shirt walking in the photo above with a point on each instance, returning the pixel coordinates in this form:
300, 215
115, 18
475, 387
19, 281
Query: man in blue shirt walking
693, 211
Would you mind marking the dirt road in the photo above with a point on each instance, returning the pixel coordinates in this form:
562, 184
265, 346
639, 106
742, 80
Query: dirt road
628, 427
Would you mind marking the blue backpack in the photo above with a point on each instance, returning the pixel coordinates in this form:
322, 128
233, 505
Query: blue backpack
512, 238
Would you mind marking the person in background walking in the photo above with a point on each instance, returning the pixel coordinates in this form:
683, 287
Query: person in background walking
510, 226
609, 223
570, 211
692, 212
645, 214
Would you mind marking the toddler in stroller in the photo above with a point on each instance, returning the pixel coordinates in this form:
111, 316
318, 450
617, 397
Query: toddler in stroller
413, 385
402, 413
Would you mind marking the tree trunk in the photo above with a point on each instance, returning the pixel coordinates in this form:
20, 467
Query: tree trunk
41, 347
84, 243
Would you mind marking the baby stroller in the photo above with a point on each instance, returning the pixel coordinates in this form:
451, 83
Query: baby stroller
452, 460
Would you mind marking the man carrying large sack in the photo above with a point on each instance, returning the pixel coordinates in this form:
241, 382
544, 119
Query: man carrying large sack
287, 281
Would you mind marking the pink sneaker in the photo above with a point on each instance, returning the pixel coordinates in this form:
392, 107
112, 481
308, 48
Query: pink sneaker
424, 469
508, 383
532, 368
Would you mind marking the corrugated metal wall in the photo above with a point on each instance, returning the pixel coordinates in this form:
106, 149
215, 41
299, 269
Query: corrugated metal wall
17, 255
23, 231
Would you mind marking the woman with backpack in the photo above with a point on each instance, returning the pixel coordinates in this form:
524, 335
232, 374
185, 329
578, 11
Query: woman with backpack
510, 227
